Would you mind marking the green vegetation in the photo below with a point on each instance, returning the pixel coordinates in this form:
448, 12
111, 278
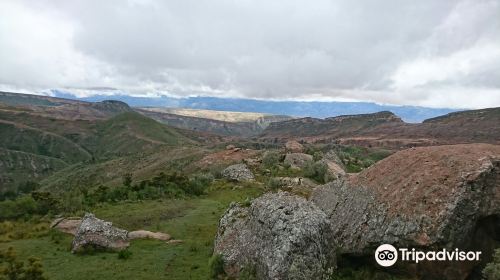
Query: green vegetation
317, 171
13, 269
492, 269
192, 219
356, 159
216, 266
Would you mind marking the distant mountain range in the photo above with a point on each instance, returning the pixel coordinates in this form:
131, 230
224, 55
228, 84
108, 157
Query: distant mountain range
413, 114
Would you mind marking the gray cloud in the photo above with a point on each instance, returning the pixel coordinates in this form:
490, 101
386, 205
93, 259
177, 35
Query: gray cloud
432, 53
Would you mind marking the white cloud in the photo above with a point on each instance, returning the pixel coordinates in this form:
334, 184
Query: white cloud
401, 52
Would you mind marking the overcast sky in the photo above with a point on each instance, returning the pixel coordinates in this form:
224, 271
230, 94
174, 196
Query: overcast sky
426, 52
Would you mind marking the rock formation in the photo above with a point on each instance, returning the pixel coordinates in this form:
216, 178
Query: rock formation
297, 160
281, 235
335, 171
90, 231
293, 146
238, 172
66, 225
433, 197
94, 232
427, 198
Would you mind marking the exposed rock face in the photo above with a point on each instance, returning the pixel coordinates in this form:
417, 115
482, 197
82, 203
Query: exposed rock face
295, 181
293, 146
333, 157
335, 171
98, 233
145, 234
67, 225
238, 172
297, 160
431, 197
282, 235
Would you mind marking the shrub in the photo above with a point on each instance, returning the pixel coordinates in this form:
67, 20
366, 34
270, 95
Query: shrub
216, 266
274, 184
23, 205
492, 269
271, 159
317, 171
124, 255
199, 184
16, 269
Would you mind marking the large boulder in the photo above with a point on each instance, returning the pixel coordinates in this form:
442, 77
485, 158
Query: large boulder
333, 157
428, 198
293, 146
238, 172
298, 160
66, 225
97, 233
283, 236
334, 170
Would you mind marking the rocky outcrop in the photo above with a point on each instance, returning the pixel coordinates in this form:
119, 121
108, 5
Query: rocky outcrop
293, 146
428, 198
66, 225
145, 234
281, 235
334, 170
294, 181
238, 172
297, 160
97, 233
431, 197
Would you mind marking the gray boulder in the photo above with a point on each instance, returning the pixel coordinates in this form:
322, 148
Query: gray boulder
94, 232
428, 198
238, 172
283, 236
334, 170
298, 160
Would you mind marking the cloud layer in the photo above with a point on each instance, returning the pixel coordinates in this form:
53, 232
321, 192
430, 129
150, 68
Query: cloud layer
429, 53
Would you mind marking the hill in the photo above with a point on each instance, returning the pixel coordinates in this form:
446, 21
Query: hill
325, 109
218, 122
40, 140
385, 129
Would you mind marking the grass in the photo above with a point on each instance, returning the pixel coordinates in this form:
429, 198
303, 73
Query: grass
192, 220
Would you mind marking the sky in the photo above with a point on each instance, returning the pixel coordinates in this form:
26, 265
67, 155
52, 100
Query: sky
404, 52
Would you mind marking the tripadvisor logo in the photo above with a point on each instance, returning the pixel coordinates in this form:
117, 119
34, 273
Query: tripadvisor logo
387, 255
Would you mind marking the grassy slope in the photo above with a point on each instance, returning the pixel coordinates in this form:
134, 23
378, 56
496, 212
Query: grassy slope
132, 132
192, 220
18, 166
89, 147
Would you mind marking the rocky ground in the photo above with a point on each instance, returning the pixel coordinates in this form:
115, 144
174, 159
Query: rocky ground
432, 197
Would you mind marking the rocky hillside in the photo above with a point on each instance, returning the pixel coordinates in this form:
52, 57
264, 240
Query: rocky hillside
41, 136
384, 129
217, 122
427, 198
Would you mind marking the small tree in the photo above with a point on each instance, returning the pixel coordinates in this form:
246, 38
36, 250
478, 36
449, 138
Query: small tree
127, 180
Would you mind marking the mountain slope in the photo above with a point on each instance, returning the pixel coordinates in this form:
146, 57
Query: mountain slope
387, 130
222, 123
39, 140
413, 114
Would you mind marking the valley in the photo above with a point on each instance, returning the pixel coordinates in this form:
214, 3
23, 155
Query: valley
231, 186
